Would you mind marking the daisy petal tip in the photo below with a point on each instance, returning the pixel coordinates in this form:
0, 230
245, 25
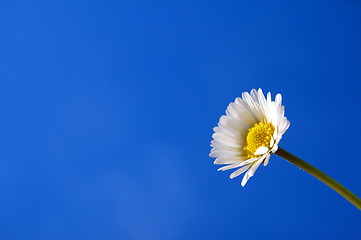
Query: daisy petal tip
265, 162
245, 180
243, 183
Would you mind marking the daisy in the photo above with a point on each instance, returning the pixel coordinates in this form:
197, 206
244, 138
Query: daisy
249, 133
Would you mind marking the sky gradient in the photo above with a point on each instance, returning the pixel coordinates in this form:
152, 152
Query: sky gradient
107, 110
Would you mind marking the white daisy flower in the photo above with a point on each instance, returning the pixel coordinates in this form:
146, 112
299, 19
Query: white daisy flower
249, 133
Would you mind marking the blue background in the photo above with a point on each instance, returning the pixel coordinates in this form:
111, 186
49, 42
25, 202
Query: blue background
107, 110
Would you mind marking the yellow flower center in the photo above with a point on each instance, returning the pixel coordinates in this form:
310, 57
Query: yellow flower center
257, 136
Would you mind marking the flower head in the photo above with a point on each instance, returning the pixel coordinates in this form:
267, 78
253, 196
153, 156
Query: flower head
249, 133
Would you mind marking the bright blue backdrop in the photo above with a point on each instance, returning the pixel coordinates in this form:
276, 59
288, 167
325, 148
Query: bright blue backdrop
107, 110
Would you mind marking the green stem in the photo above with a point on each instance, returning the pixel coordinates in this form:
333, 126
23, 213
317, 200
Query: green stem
320, 175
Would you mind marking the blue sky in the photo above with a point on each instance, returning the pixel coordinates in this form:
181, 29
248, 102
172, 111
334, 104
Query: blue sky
107, 110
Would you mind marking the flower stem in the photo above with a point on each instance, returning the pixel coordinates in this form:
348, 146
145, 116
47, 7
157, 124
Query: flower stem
320, 175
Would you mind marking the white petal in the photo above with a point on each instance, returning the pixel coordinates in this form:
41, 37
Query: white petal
247, 176
275, 148
261, 150
249, 161
265, 162
254, 167
222, 138
265, 106
223, 153
252, 104
226, 131
220, 144
230, 166
239, 171
226, 147
240, 113
252, 109
278, 99
252, 170
229, 160
245, 179
269, 97
272, 142
255, 95
284, 125
234, 124
238, 164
